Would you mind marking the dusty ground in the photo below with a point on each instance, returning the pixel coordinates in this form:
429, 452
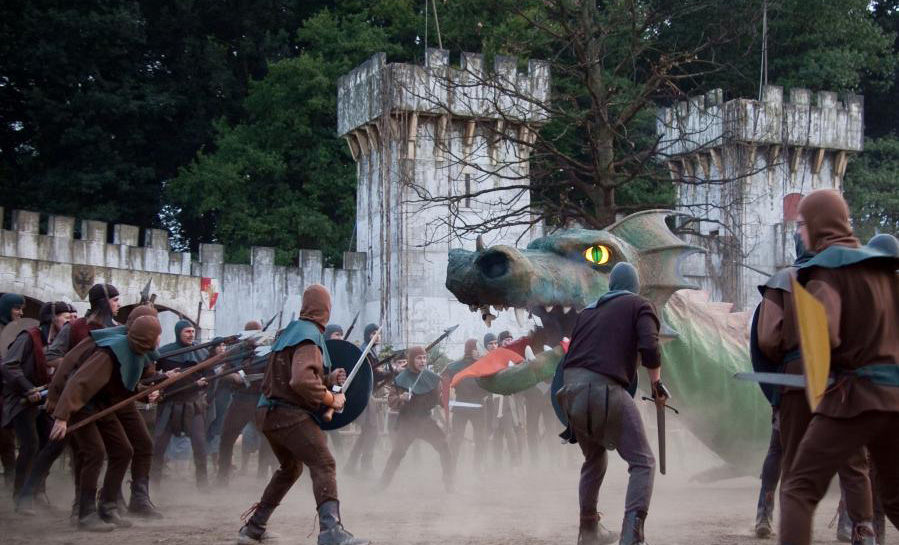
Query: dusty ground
525, 506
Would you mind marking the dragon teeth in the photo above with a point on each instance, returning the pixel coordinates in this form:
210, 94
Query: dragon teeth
565, 310
488, 319
529, 353
549, 308
473, 308
537, 320
521, 316
546, 348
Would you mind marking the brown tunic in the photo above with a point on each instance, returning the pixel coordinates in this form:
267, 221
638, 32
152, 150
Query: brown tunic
70, 363
862, 305
296, 376
98, 379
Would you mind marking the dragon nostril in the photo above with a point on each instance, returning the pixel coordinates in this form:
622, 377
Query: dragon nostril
494, 265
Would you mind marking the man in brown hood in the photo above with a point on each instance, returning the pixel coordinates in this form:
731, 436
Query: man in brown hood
128, 418
295, 389
859, 291
109, 375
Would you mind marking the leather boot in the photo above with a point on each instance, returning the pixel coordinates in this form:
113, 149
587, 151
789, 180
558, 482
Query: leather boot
140, 504
331, 531
632, 529
109, 512
864, 534
76, 511
25, 505
763, 523
592, 532
844, 524
88, 518
253, 530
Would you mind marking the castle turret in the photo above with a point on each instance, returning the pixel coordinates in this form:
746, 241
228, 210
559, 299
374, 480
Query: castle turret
419, 134
741, 167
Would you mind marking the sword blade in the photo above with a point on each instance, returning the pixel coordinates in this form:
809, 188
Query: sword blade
349, 380
779, 379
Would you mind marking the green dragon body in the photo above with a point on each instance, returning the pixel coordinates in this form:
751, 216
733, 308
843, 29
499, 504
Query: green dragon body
705, 343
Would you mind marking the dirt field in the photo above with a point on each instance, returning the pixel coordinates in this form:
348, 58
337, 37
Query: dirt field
525, 506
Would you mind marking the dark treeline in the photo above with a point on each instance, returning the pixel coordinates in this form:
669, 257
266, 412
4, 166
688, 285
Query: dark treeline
216, 119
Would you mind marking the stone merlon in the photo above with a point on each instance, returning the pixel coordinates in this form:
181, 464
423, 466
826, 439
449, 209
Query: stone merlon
707, 121
376, 87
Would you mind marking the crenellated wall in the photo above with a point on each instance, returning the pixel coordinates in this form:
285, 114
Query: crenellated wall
46, 261
741, 166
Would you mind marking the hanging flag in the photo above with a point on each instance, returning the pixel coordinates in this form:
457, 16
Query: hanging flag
814, 342
209, 289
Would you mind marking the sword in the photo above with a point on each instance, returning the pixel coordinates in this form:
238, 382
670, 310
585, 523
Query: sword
463, 404
341, 388
660, 420
779, 379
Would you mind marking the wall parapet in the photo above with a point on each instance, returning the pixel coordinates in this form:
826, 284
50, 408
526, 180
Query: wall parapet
706, 121
470, 91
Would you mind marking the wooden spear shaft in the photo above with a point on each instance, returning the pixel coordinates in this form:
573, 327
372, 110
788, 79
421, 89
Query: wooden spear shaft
140, 395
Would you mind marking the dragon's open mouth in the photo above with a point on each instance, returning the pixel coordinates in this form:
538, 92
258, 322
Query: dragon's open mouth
548, 325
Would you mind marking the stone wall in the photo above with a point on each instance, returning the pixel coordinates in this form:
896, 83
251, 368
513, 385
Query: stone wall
40, 258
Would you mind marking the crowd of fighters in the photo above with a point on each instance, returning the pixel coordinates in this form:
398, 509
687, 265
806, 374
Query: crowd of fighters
64, 380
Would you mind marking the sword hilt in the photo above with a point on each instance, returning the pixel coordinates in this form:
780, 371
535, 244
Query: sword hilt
664, 405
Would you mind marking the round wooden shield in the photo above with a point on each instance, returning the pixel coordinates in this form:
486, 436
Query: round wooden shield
12, 330
344, 355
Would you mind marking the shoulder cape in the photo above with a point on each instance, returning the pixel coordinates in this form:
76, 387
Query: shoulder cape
779, 281
428, 381
108, 332
131, 365
299, 331
835, 257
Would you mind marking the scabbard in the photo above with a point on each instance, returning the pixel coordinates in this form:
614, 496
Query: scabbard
660, 421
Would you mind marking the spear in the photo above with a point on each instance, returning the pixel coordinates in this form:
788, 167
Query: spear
261, 357
215, 360
356, 317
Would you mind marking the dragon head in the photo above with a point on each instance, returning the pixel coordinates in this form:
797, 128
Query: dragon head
560, 274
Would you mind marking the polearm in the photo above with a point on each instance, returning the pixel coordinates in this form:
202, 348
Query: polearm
153, 379
356, 317
341, 388
254, 362
215, 360
446, 333
231, 339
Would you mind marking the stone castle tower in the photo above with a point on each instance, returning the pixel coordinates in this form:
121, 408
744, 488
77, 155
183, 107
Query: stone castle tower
420, 134
741, 167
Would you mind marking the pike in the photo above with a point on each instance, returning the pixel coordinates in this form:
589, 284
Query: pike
260, 357
356, 317
164, 384
231, 339
446, 333
145, 293
341, 388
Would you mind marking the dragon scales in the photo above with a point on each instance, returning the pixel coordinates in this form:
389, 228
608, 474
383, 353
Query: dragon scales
704, 342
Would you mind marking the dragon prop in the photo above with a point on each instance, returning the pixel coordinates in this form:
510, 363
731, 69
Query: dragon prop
704, 343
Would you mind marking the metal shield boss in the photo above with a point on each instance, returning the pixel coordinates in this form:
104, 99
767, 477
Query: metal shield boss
344, 355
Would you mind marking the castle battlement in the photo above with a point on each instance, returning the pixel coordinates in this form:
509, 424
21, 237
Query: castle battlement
50, 260
375, 87
708, 122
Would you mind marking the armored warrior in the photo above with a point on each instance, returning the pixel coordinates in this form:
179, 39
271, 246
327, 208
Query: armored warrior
469, 393
610, 337
11, 309
106, 377
127, 417
414, 393
361, 456
295, 390
776, 340
183, 413
104, 299
25, 372
246, 389
858, 290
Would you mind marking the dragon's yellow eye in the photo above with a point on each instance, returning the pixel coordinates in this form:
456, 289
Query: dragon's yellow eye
598, 255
